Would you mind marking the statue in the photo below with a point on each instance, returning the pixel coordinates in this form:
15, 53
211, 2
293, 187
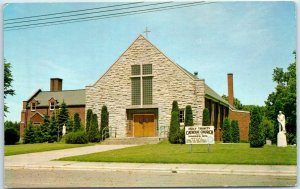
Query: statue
281, 136
281, 120
64, 130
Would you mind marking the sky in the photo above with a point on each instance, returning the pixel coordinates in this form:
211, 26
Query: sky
248, 39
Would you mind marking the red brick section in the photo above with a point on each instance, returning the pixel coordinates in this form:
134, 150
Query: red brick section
230, 89
55, 84
243, 119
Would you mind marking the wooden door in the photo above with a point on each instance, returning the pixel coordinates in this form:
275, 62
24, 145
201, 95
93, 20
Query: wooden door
144, 125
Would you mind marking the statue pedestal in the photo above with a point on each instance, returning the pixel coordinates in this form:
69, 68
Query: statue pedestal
281, 139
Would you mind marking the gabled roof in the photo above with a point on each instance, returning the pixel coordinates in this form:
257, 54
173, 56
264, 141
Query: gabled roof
213, 95
70, 97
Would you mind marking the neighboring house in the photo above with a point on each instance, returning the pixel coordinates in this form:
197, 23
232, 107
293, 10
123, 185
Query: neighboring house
43, 103
138, 90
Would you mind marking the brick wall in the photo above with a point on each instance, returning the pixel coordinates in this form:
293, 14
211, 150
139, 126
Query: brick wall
243, 119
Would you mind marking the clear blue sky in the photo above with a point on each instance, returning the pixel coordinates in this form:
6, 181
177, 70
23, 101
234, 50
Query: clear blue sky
248, 39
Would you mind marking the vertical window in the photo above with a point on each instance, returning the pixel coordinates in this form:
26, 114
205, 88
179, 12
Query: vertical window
181, 116
147, 69
136, 91
135, 70
141, 84
147, 90
52, 105
33, 106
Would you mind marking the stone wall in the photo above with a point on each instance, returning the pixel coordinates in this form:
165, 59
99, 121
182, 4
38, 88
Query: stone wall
169, 83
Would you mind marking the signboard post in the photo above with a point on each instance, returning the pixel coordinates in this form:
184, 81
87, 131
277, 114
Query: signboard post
199, 135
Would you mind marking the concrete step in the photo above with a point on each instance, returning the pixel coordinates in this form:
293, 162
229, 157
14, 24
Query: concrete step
132, 140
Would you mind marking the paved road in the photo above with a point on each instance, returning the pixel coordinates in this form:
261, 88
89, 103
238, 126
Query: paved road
37, 169
80, 178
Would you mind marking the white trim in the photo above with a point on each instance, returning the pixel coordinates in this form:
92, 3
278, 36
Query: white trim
33, 110
53, 106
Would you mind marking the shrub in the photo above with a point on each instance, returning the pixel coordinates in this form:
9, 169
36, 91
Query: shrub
104, 121
235, 131
174, 128
11, 136
227, 131
188, 116
256, 132
93, 134
89, 115
79, 137
29, 135
291, 138
181, 136
77, 122
175, 107
206, 117
268, 127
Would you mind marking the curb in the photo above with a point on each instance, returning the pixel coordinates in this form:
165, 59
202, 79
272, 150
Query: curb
156, 169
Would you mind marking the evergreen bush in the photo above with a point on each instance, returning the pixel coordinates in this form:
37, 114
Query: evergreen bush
256, 131
104, 122
93, 134
11, 136
63, 118
89, 115
45, 129
188, 116
77, 122
53, 129
235, 131
206, 117
174, 128
175, 107
227, 138
78, 137
29, 135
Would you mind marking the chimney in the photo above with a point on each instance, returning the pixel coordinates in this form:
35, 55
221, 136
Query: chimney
55, 84
230, 89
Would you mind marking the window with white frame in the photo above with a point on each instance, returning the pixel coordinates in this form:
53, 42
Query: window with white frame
33, 106
52, 105
181, 116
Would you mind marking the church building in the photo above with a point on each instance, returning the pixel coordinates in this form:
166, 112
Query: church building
138, 90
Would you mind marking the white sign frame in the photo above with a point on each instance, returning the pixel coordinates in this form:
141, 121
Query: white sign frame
199, 135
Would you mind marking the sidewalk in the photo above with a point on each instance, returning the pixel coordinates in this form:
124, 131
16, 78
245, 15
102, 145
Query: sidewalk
42, 160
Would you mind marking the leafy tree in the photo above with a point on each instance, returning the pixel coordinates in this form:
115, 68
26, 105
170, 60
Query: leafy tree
77, 122
268, 127
11, 136
250, 108
256, 131
237, 103
8, 79
284, 97
174, 128
93, 134
89, 115
188, 116
104, 121
235, 131
29, 135
227, 138
13, 125
206, 117
63, 118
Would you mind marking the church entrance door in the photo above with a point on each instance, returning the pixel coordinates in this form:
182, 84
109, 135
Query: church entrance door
144, 125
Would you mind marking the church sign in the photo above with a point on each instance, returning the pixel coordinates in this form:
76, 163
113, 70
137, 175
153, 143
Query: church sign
199, 135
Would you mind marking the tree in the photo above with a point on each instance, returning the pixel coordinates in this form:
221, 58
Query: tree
175, 106
70, 124
256, 132
53, 129
227, 138
45, 129
77, 122
104, 121
188, 116
93, 134
12, 125
235, 131
89, 115
284, 97
174, 128
11, 136
63, 118
29, 135
206, 117
237, 103
8, 79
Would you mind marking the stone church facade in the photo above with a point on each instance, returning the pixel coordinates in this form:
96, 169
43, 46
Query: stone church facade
138, 90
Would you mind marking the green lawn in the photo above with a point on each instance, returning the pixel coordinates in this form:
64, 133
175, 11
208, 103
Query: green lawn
39, 147
172, 153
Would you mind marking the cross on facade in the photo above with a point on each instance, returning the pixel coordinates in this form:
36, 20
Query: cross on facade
147, 31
